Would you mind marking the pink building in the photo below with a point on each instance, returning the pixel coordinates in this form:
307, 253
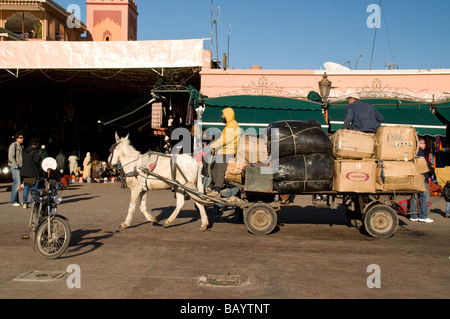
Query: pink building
428, 85
111, 20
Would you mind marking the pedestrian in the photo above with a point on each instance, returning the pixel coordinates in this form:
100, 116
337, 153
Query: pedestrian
73, 163
446, 195
61, 161
15, 162
30, 170
43, 152
362, 116
87, 166
423, 196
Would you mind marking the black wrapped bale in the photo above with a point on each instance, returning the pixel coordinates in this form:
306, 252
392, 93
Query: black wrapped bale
299, 137
304, 173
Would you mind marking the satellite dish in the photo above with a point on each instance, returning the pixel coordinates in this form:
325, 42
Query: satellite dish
48, 162
332, 66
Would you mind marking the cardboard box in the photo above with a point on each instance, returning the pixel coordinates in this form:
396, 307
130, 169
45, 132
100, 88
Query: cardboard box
355, 175
353, 144
396, 143
421, 165
252, 149
400, 176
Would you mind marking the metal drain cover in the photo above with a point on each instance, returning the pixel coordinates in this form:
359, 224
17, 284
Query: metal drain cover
35, 275
227, 280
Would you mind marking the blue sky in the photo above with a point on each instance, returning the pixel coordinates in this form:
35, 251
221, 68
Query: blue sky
304, 34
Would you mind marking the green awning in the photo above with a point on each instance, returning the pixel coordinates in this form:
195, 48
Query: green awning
258, 111
395, 112
444, 110
133, 115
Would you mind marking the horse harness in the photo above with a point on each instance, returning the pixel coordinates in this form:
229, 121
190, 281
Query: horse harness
147, 166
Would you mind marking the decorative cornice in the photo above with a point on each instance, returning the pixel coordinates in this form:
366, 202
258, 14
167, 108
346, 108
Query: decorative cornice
262, 87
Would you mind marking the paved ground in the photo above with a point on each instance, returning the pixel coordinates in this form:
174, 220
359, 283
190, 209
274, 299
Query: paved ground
313, 254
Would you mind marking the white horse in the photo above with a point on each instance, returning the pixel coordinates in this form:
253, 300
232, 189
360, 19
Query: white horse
185, 174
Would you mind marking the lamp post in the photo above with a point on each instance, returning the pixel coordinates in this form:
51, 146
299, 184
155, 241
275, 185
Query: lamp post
324, 88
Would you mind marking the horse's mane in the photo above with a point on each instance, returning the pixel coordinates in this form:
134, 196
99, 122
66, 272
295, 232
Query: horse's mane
128, 149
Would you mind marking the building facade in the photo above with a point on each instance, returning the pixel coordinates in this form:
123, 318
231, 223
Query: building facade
38, 20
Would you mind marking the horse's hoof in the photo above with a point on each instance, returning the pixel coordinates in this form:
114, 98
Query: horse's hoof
204, 228
123, 226
167, 225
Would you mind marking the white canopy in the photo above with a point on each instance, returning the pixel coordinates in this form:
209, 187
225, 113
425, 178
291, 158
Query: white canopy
100, 55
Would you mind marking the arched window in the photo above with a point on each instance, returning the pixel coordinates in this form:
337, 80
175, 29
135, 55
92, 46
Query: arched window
107, 35
25, 24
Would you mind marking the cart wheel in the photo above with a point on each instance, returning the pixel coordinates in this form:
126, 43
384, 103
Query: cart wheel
260, 219
381, 221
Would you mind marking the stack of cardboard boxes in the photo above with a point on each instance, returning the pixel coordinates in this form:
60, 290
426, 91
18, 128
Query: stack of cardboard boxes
381, 161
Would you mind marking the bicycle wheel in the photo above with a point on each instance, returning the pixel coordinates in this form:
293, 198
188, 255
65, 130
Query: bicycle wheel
52, 244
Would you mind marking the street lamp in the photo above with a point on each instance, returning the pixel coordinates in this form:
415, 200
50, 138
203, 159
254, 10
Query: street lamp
324, 87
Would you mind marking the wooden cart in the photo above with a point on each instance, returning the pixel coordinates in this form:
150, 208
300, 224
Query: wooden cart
376, 213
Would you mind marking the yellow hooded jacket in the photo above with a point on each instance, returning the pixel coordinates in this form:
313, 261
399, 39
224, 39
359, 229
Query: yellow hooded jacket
228, 141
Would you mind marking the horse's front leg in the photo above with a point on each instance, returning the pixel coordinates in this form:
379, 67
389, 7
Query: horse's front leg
179, 205
134, 197
204, 217
144, 211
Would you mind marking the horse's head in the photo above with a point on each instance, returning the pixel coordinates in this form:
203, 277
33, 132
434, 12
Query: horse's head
114, 157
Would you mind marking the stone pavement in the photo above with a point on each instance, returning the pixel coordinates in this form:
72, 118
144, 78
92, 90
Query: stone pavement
312, 254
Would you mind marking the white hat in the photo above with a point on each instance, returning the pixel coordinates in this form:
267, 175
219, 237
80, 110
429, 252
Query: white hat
354, 95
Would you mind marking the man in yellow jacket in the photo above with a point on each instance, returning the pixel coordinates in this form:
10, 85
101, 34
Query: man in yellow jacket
226, 148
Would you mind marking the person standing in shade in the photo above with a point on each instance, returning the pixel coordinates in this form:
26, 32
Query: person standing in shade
362, 116
15, 162
61, 162
73, 163
446, 195
87, 167
31, 170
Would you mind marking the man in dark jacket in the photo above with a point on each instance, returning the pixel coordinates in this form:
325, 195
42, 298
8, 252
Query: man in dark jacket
424, 197
446, 195
362, 116
31, 170
61, 162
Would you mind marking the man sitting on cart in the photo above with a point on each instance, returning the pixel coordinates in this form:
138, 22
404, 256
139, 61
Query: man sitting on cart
362, 116
225, 149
